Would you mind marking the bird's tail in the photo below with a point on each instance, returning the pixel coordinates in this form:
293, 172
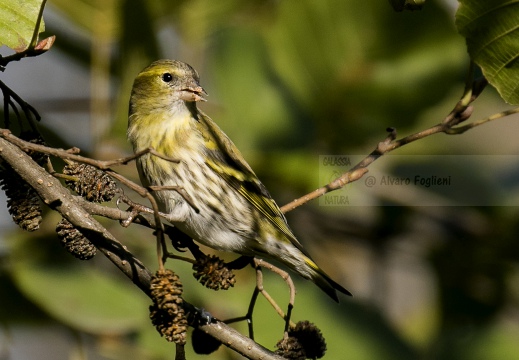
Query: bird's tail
321, 279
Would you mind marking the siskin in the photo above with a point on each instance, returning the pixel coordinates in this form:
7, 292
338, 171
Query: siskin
236, 212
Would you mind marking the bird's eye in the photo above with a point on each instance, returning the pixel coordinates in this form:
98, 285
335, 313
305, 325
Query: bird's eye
167, 77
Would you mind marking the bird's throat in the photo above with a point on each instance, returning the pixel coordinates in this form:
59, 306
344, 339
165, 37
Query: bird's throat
166, 131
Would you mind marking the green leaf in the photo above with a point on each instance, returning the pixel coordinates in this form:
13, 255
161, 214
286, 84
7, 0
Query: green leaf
83, 297
491, 30
18, 20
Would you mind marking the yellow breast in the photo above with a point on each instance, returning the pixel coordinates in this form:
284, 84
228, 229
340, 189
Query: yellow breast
172, 135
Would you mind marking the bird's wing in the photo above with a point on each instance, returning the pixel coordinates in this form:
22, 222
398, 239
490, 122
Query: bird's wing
232, 167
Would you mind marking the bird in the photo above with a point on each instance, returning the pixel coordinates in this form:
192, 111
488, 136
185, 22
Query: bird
229, 208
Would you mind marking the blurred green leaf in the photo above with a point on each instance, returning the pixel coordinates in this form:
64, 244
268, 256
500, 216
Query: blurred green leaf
82, 297
18, 20
490, 28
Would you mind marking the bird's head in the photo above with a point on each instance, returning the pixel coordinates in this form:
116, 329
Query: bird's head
165, 83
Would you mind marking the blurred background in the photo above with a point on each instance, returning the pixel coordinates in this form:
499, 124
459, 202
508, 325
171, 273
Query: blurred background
434, 271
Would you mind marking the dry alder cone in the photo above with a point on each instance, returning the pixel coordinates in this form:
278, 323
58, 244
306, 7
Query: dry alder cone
74, 241
304, 341
92, 184
167, 313
22, 200
212, 272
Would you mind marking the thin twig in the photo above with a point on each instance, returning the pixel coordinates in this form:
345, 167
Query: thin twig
344, 179
180, 352
28, 110
461, 129
260, 263
64, 176
7, 122
181, 258
136, 207
14, 108
259, 288
71, 154
250, 310
160, 259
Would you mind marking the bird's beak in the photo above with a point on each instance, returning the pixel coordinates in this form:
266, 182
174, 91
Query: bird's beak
193, 93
